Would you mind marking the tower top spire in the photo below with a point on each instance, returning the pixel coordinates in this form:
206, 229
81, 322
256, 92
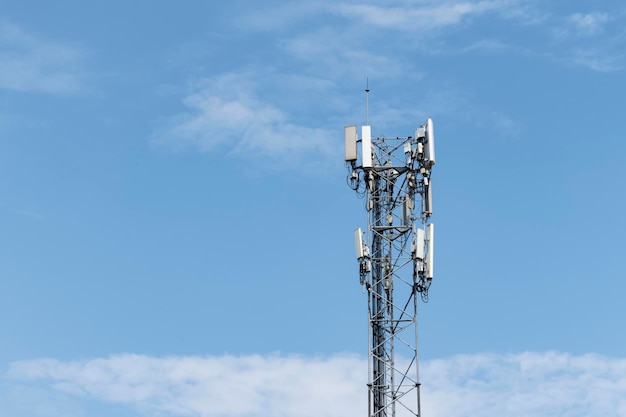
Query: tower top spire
367, 93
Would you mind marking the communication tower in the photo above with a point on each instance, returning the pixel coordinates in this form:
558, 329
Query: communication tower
395, 255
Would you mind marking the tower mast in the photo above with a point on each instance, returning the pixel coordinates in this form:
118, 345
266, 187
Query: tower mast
393, 176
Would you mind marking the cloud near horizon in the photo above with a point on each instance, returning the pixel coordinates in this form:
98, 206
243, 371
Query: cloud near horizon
489, 385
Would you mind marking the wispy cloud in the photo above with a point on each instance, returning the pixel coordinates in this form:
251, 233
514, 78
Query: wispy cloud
32, 64
416, 18
589, 40
547, 384
338, 54
581, 25
419, 17
491, 45
489, 385
227, 113
596, 60
590, 23
288, 386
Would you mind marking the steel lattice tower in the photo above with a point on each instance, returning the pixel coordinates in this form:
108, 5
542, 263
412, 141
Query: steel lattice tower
393, 176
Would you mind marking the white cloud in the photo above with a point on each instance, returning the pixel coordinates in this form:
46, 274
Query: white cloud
490, 45
590, 23
488, 385
586, 40
28, 63
340, 54
225, 113
289, 386
596, 60
427, 16
581, 25
545, 384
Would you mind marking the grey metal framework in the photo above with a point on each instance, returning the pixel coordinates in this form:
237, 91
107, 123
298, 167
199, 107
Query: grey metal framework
397, 269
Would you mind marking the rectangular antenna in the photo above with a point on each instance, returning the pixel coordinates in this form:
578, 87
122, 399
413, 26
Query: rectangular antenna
408, 207
366, 146
419, 244
428, 198
358, 243
351, 138
430, 142
430, 229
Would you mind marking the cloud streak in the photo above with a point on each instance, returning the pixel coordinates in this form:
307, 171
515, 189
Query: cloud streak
489, 385
226, 112
429, 16
30, 64
590, 23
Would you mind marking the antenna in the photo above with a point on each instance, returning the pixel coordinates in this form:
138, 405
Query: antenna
367, 93
396, 263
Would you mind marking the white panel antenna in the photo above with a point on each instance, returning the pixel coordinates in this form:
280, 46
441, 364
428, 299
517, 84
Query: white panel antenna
430, 142
430, 248
358, 243
350, 138
419, 244
408, 206
366, 146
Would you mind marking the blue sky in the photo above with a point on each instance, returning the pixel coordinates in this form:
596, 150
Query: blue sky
176, 229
